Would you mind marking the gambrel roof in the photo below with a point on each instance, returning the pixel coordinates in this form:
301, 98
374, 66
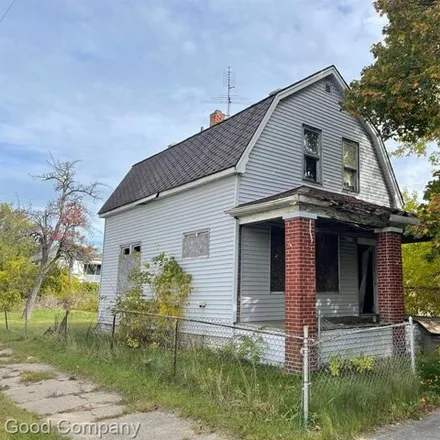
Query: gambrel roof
222, 147
208, 152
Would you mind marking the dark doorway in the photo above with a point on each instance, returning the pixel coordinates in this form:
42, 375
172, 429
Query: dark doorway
366, 278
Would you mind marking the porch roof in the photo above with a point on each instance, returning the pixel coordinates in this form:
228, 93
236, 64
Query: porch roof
321, 203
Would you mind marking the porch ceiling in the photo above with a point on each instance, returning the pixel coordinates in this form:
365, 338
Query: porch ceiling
321, 203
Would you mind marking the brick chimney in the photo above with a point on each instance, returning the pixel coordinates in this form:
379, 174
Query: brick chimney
216, 117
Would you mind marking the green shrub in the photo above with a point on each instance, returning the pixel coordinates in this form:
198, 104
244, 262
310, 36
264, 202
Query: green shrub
361, 365
169, 285
247, 348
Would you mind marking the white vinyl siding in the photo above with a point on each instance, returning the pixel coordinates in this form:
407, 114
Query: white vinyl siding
160, 226
257, 303
276, 162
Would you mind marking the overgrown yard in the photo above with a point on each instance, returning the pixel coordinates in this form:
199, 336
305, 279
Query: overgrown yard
248, 400
10, 411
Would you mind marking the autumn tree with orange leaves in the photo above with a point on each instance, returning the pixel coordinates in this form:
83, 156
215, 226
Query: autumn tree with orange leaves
60, 229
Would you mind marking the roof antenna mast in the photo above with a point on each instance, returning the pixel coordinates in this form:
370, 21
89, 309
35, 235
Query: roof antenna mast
229, 98
231, 86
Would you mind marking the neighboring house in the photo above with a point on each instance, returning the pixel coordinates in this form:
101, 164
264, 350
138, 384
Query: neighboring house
287, 208
89, 271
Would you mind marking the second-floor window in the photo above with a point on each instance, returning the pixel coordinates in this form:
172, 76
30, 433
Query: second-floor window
312, 153
350, 151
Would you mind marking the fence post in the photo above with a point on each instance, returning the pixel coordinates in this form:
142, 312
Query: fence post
306, 383
411, 345
25, 323
6, 319
176, 331
319, 338
67, 321
112, 343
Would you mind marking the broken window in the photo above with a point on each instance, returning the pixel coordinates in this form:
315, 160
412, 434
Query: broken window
312, 153
277, 260
195, 244
350, 151
327, 262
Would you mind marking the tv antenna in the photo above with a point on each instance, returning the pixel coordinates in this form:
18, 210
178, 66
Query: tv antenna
229, 98
230, 84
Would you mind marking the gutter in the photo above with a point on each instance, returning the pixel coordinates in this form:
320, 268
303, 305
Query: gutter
195, 183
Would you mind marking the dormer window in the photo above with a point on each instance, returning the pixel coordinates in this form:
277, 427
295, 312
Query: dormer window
350, 151
312, 153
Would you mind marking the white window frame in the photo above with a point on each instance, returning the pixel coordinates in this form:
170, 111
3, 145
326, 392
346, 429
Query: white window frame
346, 167
317, 157
130, 248
196, 233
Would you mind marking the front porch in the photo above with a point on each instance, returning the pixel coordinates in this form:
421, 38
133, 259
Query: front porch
309, 257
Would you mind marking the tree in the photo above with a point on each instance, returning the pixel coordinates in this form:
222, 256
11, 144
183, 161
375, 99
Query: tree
400, 91
15, 234
60, 228
421, 272
16, 247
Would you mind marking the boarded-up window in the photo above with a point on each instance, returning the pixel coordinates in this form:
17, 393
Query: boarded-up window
195, 244
327, 262
129, 262
277, 260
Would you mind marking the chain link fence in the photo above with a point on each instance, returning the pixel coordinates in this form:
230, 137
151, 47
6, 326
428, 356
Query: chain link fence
327, 371
312, 373
374, 365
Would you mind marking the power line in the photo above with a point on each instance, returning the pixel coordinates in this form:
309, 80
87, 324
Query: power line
7, 10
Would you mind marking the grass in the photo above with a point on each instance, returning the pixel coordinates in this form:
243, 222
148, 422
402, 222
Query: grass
28, 377
253, 402
8, 411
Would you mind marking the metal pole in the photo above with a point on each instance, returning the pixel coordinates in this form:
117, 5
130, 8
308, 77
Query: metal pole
25, 323
112, 343
411, 345
319, 338
176, 330
65, 327
6, 319
306, 383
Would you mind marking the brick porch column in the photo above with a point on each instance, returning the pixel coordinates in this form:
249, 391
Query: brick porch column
300, 288
390, 283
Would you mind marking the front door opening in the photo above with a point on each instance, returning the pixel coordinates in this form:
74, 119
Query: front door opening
366, 279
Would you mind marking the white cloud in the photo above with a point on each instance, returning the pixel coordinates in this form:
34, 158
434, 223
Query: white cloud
112, 82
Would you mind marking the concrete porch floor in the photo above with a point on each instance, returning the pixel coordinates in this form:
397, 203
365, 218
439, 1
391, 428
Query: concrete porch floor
327, 322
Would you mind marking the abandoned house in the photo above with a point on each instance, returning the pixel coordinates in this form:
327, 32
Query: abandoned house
283, 211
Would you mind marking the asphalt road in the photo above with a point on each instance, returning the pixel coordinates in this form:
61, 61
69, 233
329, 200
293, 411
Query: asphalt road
426, 429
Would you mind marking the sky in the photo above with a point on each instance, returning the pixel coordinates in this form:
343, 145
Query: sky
111, 82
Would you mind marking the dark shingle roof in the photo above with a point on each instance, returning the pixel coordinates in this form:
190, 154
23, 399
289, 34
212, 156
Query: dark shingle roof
343, 202
210, 151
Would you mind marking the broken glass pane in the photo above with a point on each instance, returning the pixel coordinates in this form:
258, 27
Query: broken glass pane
311, 168
350, 179
350, 154
311, 141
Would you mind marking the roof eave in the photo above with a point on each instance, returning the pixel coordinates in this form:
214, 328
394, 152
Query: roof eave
160, 195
